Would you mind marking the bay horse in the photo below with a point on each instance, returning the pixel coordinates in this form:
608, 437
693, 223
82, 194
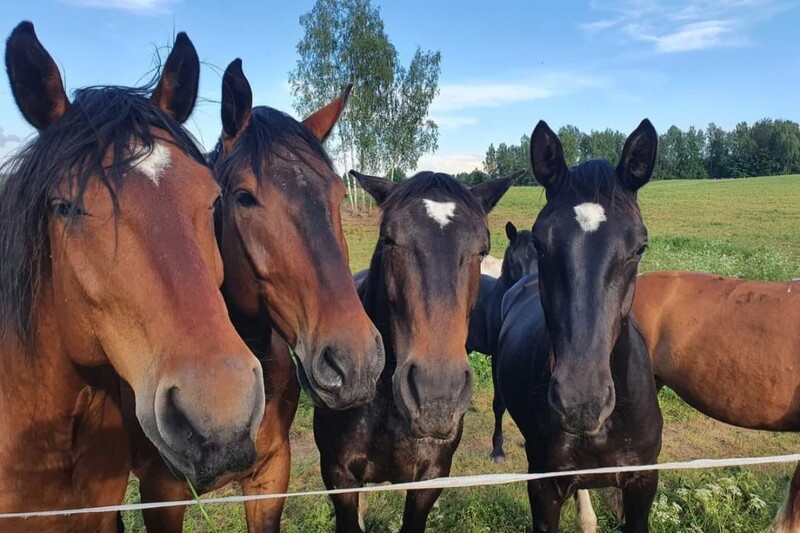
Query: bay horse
573, 368
286, 278
419, 291
519, 260
728, 346
109, 268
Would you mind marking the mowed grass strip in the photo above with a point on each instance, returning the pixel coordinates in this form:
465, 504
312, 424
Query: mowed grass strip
748, 228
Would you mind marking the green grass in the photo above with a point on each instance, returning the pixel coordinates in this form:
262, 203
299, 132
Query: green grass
748, 228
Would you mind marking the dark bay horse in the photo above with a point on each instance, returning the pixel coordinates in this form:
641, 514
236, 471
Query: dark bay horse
519, 260
573, 368
731, 349
109, 267
286, 277
419, 291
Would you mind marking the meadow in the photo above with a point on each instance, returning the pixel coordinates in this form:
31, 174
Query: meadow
748, 228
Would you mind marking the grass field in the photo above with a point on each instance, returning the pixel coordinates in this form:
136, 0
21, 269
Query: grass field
748, 228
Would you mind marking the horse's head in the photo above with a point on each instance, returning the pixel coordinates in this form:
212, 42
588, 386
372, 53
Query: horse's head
425, 275
519, 259
283, 246
109, 255
589, 238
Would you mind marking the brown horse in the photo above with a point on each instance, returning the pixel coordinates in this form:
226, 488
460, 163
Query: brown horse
420, 289
730, 348
109, 267
286, 277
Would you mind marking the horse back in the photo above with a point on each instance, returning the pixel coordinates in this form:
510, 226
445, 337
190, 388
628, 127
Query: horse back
725, 344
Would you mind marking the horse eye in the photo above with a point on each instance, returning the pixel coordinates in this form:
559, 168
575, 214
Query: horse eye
641, 250
64, 210
538, 248
388, 241
245, 199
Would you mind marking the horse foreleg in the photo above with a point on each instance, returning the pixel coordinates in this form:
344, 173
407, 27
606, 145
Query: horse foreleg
345, 505
637, 499
498, 456
788, 516
157, 484
271, 476
585, 518
418, 506
546, 500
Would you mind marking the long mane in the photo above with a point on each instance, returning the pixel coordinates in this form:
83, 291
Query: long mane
100, 121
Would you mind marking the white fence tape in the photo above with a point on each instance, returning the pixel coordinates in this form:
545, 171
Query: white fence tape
449, 482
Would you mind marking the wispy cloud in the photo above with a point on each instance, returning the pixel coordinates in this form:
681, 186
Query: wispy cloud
491, 95
686, 25
8, 138
452, 163
133, 6
453, 122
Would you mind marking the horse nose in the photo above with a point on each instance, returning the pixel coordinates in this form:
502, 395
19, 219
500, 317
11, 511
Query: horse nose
332, 370
580, 410
435, 397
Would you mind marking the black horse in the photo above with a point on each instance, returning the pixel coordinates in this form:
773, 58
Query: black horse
420, 289
573, 367
519, 261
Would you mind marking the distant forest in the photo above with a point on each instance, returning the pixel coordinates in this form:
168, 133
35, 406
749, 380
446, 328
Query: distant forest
768, 147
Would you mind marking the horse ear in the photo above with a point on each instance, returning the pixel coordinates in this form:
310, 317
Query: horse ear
176, 91
378, 188
322, 121
35, 81
511, 232
237, 100
547, 156
638, 158
489, 193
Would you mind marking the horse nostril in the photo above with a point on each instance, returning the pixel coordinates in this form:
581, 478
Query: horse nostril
331, 373
413, 386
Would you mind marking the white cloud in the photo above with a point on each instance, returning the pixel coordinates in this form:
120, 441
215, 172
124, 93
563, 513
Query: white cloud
456, 96
452, 163
453, 122
134, 6
8, 138
682, 26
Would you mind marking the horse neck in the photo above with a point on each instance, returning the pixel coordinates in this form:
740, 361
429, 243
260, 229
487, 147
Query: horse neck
56, 414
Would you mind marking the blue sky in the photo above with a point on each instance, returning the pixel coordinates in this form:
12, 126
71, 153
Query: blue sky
505, 64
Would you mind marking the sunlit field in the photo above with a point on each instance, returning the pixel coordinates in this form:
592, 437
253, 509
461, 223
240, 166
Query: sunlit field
748, 228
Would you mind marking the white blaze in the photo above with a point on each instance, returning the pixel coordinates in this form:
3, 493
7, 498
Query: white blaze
441, 212
590, 215
154, 163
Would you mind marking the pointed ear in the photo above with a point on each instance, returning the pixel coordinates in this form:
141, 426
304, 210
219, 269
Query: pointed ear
638, 158
511, 232
176, 91
35, 81
378, 188
547, 156
237, 100
489, 193
322, 121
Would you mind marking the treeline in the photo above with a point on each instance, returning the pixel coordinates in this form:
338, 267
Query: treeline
768, 147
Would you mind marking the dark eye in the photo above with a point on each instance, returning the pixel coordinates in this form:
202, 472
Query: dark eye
538, 248
64, 209
640, 251
245, 198
388, 241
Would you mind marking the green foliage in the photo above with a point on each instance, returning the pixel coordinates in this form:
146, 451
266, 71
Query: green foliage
768, 148
386, 125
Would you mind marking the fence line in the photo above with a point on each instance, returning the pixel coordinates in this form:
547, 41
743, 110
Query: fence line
449, 482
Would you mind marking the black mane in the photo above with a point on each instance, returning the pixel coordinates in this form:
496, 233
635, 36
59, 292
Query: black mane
598, 180
99, 120
268, 129
426, 181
